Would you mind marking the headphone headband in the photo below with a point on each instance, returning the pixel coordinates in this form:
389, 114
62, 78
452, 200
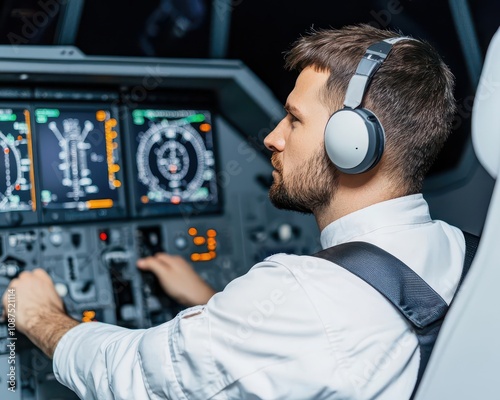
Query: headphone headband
369, 64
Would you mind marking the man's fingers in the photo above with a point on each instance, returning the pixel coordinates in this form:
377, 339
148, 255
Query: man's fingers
42, 274
22, 275
37, 273
153, 264
169, 260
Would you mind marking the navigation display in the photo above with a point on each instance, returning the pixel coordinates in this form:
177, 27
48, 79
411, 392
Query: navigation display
16, 161
79, 158
174, 161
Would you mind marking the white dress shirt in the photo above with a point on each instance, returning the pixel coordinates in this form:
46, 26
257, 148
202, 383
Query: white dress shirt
293, 327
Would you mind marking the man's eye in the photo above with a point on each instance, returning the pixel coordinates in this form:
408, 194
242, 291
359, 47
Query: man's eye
293, 118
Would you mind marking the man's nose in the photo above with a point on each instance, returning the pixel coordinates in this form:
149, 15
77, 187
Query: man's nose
275, 141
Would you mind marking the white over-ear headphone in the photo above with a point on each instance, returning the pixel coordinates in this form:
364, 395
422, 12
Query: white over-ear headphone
354, 137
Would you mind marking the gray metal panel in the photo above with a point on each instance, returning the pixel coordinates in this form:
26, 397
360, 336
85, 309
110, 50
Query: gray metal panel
245, 101
18, 54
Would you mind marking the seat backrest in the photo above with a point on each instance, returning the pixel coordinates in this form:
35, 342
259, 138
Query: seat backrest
465, 361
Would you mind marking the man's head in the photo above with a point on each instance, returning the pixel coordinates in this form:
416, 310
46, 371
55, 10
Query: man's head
304, 178
411, 94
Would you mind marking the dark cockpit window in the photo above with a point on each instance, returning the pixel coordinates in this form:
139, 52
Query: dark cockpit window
256, 32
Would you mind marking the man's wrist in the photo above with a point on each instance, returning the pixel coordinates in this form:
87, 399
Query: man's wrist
46, 330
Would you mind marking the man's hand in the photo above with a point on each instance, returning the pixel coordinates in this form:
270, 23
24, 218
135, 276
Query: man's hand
178, 278
39, 310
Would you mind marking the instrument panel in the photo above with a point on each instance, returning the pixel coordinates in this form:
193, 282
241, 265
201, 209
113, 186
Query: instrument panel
92, 179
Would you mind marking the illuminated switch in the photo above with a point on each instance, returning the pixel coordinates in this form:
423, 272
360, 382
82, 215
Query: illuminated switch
199, 240
104, 236
88, 316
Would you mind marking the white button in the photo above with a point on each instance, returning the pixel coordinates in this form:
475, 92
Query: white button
285, 232
56, 238
61, 289
180, 242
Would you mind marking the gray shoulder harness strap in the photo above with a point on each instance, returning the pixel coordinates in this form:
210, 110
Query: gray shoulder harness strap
419, 304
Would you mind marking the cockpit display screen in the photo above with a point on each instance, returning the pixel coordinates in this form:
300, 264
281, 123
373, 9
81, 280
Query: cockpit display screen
16, 161
79, 159
174, 161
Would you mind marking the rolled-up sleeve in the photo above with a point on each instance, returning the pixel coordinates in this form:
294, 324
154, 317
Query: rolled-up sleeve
102, 361
98, 361
216, 351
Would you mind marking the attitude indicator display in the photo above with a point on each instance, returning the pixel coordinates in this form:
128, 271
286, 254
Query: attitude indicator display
16, 161
175, 163
80, 163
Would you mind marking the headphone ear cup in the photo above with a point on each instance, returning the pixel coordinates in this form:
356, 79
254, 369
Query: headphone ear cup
354, 140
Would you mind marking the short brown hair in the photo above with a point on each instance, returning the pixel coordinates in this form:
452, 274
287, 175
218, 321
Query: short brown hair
411, 93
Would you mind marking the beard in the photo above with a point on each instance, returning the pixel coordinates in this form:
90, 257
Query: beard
308, 189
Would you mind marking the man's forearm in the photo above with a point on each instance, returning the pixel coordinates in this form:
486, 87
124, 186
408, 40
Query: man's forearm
46, 330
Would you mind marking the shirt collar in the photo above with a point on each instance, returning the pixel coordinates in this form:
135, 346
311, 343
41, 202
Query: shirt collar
412, 209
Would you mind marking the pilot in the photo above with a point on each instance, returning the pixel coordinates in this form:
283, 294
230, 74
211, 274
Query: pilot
295, 327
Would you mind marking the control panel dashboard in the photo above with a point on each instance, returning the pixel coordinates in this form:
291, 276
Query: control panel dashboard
91, 181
